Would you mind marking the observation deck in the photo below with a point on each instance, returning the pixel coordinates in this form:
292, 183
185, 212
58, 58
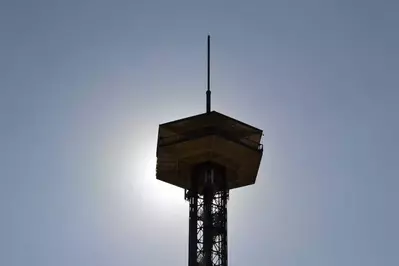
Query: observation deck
208, 138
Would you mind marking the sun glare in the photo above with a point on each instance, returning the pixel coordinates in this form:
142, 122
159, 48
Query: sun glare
165, 193
157, 195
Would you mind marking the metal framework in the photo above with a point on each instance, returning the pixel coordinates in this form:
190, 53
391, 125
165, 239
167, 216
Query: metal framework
207, 155
208, 195
208, 198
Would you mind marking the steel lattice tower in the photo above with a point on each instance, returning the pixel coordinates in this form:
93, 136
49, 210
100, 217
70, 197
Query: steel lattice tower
207, 155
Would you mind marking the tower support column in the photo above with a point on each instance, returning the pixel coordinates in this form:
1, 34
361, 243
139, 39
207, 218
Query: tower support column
192, 197
208, 216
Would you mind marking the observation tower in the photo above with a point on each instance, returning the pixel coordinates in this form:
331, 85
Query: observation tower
208, 155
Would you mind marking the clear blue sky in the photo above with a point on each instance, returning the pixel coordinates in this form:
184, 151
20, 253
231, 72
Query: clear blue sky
84, 85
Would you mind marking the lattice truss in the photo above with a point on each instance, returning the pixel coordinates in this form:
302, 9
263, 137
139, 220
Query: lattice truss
216, 229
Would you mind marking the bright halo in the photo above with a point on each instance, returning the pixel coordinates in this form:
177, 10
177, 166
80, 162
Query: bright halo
156, 195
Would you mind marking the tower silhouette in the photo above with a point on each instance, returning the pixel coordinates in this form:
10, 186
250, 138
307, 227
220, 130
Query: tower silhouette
208, 155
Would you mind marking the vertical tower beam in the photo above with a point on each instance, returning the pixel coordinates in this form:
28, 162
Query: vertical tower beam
208, 216
192, 197
220, 227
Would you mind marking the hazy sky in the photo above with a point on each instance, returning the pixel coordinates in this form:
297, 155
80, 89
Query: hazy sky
85, 84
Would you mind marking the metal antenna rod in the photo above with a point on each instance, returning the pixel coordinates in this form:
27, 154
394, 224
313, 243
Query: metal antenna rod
208, 92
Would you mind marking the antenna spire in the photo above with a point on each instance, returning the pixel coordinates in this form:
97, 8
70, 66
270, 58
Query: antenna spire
208, 92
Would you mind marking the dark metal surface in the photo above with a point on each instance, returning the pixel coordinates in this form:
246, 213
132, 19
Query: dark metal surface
208, 217
233, 136
192, 197
200, 120
207, 155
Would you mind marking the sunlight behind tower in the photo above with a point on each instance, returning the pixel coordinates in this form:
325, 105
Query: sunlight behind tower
207, 155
